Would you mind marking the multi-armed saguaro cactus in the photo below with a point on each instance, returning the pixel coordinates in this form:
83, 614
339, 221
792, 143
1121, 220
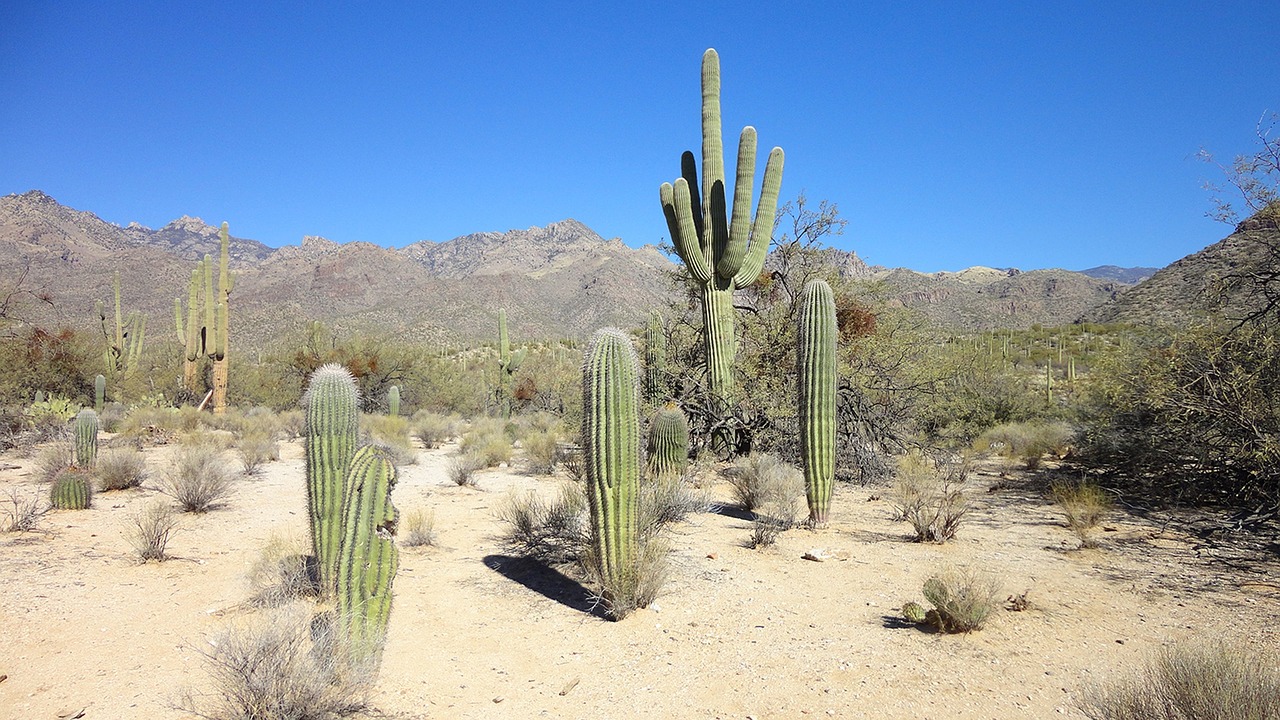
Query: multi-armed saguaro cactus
367, 559
207, 338
655, 360
72, 489
816, 362
611, 451
331, 435
99, 392
393, 401
722, 252
508, 363
668, 442
124, 346
86, 444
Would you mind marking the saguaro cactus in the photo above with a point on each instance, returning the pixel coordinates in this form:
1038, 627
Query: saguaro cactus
508, 363
72, 490
86, 446
611, 451
668, 442
99, 392
393, 401
816, 361
221, 313
722, 252
124, 345
207, 338
368, 558
331, 435
655, 360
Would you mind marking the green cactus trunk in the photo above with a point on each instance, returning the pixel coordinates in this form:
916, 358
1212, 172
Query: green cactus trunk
722, 252
668, 443
222, 309
508, 363
611, 451
99, 393
368, 558
393, 401
816, 362
72, 490
331, 435
86, 445
655, 361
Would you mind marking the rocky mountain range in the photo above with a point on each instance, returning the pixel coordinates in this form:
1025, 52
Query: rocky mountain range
562, 280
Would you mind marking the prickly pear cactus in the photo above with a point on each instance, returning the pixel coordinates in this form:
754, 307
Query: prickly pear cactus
913, 612
367, 559
668, 442
86, 444
331, 436
72, 490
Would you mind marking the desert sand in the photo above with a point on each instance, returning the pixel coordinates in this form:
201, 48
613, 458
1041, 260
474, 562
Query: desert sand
88, 631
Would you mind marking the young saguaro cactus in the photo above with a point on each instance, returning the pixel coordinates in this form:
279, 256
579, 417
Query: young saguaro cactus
655, 360
86, 445
393, 401
816, 365
508, 363
331, 436
99, 393
72, 490
611, 451
722, 252
367, 559
668, 442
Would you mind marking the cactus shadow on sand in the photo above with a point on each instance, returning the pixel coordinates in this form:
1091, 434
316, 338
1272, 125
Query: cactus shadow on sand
546, 581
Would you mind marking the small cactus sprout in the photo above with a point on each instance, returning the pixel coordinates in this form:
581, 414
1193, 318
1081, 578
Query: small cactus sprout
816, 362
331, 435
393, 401
368, 558
668, 442
86, 445
72, 489
99, 393
611, 452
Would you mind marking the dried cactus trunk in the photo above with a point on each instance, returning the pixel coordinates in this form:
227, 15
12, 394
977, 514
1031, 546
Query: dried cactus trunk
721, 252
668, 442
72, 490
86, 444
816, 361
331, 435
611, 451
368, 558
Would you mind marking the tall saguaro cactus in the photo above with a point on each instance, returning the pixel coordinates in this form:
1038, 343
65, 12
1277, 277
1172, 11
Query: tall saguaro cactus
816, 363
124, 345
611, 450
722, 252
368, 558
221, 314
508, 363
331, 435
207, 338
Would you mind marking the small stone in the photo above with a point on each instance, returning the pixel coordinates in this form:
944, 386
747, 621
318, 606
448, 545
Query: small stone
498, 699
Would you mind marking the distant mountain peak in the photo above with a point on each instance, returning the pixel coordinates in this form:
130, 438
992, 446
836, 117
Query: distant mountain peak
190, 224
35, 197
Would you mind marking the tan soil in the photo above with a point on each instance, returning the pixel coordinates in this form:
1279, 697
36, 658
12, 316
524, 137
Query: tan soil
737, 633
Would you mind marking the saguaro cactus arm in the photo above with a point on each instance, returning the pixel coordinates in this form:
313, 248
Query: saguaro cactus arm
368, 558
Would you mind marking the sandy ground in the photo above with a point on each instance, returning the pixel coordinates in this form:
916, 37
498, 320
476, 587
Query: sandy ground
85, 630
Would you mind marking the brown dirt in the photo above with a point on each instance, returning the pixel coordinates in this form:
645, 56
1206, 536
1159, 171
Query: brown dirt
737, 633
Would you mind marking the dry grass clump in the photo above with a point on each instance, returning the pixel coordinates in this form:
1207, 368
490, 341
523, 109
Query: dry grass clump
291, 423
1083, 505
930, 496
488, 439
666, 501
255, 439
1209, 681
419, 528
962, 601
22, 513
284, 571
198, 478
554, 532
433, 429
462, 469
760, 478
52, 459
279, 665
1028, 442
149, 531
542, 450
392, 433
121, 469
637, 589
148, 424
113, 413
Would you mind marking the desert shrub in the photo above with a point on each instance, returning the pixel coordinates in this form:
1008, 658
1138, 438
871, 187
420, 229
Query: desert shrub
151, 424
277, 666
1211, 681
433, 429
284, 571
120, 469
1026, 441
291, 423
149, 530
962, 600
462, 469
392, 433
22, 513
113, 413
542, 450
419, 527
636, 589
776, 514
256, 448
552, 532
1083, 505
667, 500
198, 478
52, 459
762, 477
488, 439
930, 496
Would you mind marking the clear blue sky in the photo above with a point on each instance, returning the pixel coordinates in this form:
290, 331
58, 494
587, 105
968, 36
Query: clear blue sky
1041, 134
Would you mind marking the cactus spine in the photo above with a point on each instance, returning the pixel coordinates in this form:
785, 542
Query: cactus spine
99, 392
508, 363
331, 435
816, 361
721, 252
72, 490
611, 451
655, 360
668, 442
393, 401
86, 445
368, 557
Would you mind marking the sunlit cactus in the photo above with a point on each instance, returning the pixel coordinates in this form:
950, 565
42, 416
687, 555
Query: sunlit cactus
331, 436
368, 558
816, 364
